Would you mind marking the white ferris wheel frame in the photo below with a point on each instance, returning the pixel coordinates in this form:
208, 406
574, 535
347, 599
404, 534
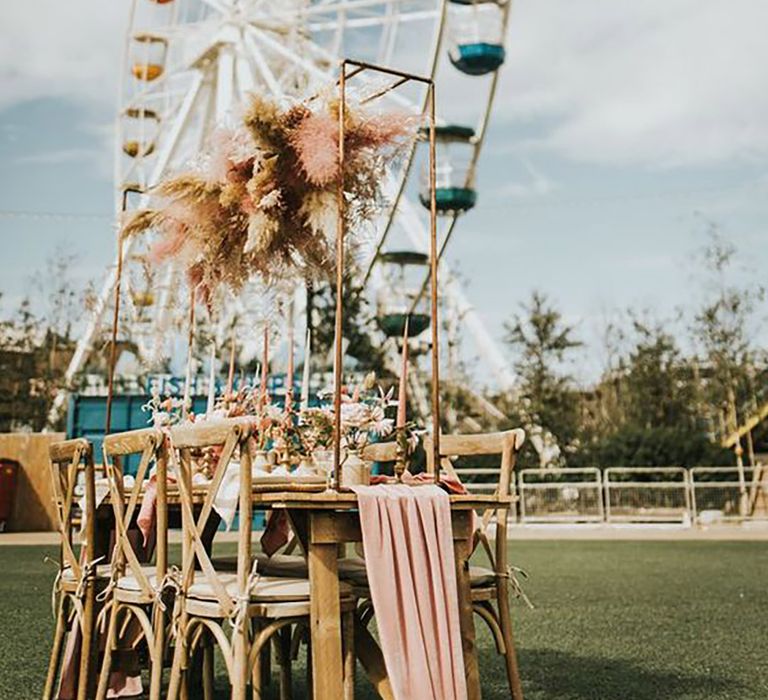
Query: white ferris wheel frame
233, 61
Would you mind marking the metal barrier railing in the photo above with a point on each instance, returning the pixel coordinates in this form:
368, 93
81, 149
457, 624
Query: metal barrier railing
701, 495
560, 495
647, 494
719, 494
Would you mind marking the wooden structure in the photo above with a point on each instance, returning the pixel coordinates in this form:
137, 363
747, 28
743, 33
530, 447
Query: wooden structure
35, 508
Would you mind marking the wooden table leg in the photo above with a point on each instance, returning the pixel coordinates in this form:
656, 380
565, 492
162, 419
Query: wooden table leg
372, 660
462, 544
325, 613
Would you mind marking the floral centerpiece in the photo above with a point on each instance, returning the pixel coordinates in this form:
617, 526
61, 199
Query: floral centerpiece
263, 198
363, 421
164, 412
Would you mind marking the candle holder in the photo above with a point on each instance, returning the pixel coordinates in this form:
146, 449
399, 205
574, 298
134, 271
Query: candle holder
403, 452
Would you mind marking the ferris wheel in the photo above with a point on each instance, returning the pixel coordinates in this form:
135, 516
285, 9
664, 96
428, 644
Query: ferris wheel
190, 65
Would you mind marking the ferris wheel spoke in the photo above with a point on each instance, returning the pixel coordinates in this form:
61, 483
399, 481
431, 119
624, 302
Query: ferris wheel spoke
398, 98
222, 6
257, 58
351, 6
182, 119
374, 21
311, 68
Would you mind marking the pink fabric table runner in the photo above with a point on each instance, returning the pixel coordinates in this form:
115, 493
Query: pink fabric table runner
409, 558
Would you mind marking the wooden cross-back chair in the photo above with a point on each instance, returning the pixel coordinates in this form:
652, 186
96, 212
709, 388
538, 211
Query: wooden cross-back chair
137, 588
489, 586
241, 610
72, 466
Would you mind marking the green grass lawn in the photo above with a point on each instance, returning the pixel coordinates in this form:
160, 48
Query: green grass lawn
613, 621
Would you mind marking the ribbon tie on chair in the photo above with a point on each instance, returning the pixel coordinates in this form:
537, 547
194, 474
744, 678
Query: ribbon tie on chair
514, 583
172, 581
88, 572
56, 589
240, 613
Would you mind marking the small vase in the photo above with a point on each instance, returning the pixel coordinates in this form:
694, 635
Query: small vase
355, 471
323, 461
306, 467
261, 463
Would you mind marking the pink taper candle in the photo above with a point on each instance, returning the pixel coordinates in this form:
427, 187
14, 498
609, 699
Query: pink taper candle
211, 381
264, 365
231, 376
305, 375
291, 369
401, 394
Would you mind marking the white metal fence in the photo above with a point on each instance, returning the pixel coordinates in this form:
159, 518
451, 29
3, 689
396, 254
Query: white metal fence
719, 494
560, 495
702, 495
647, 494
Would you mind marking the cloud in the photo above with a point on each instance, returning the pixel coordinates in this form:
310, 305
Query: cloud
660, 83
64, 155
50, 49
537, 185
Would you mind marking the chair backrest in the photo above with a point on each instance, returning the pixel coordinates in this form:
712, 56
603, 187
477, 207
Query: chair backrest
505, 445
380, 452
149, 444
72, 462
231, 437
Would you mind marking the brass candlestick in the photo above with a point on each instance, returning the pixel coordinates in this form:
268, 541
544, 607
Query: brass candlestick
403, 451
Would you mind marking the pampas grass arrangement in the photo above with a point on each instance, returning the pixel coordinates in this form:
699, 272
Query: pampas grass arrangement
263, 200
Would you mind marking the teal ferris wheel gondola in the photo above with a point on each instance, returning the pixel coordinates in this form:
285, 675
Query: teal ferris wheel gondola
477, 41
454, 191
478, 58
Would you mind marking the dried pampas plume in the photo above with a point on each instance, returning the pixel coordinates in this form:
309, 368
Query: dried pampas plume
263, 201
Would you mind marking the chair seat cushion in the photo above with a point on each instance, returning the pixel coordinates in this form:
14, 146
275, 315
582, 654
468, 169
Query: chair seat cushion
267, 589
131, 583
102, 571
351, 569
480, 576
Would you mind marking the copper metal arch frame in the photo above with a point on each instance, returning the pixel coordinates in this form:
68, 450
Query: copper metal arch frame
402, 77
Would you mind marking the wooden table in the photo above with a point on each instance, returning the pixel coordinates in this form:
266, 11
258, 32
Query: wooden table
322, 522
325, 520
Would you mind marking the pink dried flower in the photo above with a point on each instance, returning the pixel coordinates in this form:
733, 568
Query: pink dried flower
316, 143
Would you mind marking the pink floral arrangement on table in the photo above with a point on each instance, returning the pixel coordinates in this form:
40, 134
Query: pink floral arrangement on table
263, 199
363, 418
165, 412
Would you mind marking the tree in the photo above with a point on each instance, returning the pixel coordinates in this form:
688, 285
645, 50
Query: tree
542, 344
355, 328
725, 326
36, 345
659, 390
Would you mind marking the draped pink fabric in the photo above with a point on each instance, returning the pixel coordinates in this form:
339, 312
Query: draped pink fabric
148, 511
409, 558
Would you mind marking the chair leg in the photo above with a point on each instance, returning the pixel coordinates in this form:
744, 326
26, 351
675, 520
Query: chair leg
284, 659
309, 666
176, 683
348, 627
510, 656
86, 646
240, 661
266, 664
257, 677
208, 667
58, 644
106, 664
157, 653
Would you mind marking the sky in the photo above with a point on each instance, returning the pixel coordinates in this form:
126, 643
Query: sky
620, 131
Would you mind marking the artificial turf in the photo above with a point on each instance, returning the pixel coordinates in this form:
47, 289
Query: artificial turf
613, 621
